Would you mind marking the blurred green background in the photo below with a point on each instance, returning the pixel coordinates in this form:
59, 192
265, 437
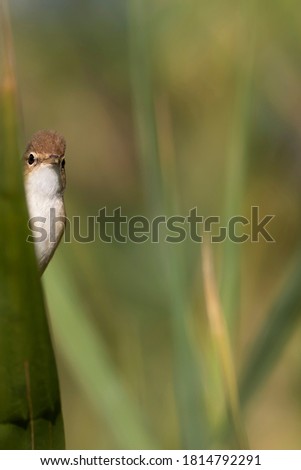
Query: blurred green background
167, 106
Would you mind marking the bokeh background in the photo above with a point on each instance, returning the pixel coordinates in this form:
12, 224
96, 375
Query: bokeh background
167, 106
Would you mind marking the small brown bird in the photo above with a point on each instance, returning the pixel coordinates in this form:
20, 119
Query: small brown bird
45, 181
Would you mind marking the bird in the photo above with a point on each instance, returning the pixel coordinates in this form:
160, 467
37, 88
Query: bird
45, 182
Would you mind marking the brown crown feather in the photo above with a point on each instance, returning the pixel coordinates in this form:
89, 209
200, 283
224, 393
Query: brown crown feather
46, 142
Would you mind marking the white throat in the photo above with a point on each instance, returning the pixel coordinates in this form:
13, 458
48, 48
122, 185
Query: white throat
44, 194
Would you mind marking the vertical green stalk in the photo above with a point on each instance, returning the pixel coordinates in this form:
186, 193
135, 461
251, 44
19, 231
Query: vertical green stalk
236, 167
222, 343
188, 387
142, 96
30, 411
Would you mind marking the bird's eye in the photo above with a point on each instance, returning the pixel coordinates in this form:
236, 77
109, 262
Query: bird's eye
31, 159
63, 163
